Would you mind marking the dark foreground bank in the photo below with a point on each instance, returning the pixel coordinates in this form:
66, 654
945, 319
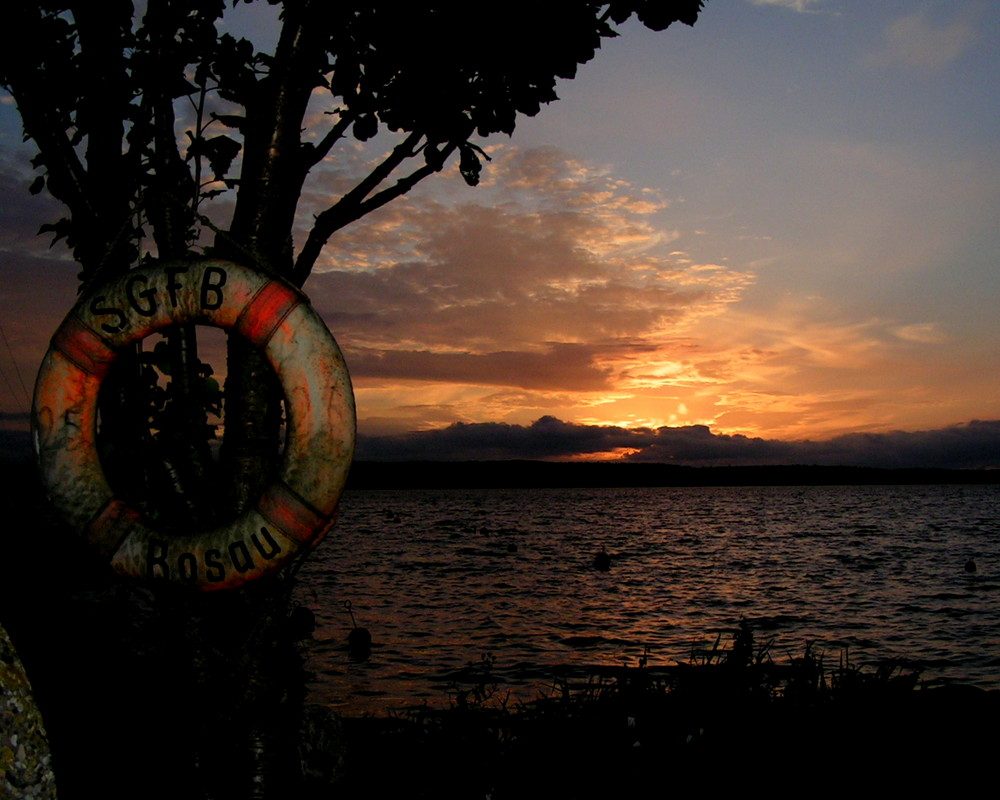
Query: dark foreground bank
738, 724
158, 693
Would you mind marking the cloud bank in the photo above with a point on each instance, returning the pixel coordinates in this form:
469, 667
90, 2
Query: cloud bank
973, 445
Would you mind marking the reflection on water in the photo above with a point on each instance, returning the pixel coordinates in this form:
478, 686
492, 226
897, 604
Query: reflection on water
442, 577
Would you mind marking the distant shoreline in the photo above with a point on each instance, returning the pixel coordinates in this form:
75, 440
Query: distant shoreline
566, 475
17, 463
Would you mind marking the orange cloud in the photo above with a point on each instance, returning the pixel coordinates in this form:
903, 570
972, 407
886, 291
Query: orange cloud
557, 289
559, 280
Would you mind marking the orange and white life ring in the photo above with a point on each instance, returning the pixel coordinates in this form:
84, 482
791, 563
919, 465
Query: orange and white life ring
294, 512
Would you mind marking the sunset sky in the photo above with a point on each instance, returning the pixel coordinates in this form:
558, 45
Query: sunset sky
771, 237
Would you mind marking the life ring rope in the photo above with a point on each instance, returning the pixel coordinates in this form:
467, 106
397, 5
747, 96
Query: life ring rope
289, 512
111, 525
268, 309
86, 348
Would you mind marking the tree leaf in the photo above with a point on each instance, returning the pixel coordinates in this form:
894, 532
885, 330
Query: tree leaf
365, 127
236, 121
61, 229
469, 164
219, 150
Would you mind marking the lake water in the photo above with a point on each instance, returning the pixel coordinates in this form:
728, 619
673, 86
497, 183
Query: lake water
442, 577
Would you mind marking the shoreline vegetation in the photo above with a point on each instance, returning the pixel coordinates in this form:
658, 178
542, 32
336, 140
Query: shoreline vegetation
731, 719
152, 691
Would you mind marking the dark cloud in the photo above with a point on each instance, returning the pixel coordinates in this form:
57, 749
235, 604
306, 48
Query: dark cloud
562, 366
545, 438
973, 445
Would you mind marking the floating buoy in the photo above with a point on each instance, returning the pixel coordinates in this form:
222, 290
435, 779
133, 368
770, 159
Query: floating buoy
359, 640
602, 561
301, 623
294, 512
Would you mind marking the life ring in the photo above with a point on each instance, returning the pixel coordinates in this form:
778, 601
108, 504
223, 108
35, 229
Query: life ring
294, 512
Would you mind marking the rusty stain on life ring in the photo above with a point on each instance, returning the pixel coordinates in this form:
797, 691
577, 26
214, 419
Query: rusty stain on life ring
293, 513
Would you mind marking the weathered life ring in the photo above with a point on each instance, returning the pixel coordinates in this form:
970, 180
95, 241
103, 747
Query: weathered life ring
294, 512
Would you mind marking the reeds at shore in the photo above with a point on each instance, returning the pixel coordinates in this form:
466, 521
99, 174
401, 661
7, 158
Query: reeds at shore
730, 720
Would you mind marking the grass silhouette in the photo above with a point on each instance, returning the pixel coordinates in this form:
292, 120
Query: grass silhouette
730, 719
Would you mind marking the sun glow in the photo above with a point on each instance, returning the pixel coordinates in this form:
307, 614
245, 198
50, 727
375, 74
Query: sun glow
616, 454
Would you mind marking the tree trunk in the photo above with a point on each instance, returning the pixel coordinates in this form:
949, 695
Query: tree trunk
251, 442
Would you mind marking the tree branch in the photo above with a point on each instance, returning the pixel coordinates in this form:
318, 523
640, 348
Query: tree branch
274, 166
402, 151
30, 45
356, 203
101, 115
335, 134
403, 185
171, 176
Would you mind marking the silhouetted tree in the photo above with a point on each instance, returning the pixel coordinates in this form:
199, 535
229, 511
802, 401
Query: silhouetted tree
165, 135
142, 121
